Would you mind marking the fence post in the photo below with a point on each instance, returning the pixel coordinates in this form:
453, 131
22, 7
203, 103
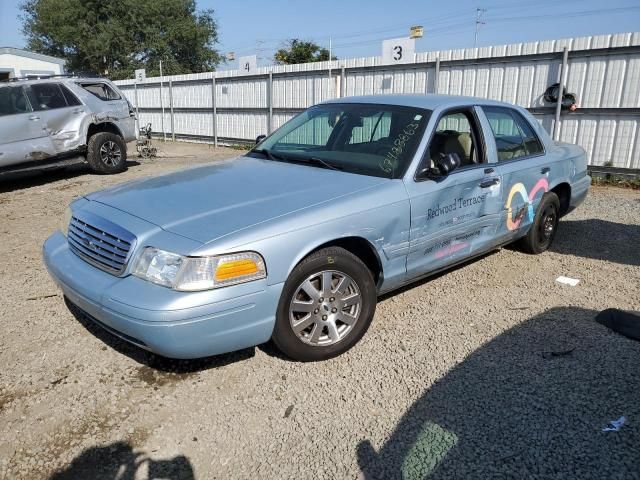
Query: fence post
343, 81
164, 133
436, 76
563, 71
137, 122
173, 131
270, 103
215, 112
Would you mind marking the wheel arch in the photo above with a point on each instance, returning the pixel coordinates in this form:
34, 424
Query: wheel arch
110, 127
563, 191
360, 247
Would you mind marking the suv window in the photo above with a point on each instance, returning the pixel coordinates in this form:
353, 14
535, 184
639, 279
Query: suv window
13, 101
455, 133
513, 135
101, 90
71, 99
46, 96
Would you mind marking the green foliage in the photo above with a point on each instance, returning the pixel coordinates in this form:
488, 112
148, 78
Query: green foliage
115, 37
300, 51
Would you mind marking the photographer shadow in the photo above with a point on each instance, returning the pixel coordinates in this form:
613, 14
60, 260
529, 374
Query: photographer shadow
119, 461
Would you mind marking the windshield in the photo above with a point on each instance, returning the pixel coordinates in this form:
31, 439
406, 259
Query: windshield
369, 139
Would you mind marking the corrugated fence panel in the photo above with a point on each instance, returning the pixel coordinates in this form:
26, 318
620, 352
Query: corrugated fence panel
518, 73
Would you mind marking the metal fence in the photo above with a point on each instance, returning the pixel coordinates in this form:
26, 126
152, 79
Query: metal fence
602, 71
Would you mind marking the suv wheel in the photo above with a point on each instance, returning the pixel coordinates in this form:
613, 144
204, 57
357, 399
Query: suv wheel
107, 153
326, 306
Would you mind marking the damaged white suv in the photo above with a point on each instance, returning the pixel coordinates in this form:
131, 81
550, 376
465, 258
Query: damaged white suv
62, 120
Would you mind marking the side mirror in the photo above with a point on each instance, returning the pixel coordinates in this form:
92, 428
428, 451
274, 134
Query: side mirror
259, 138
447, 163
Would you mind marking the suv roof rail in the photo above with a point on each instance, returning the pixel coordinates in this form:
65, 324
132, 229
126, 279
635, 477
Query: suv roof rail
52, 75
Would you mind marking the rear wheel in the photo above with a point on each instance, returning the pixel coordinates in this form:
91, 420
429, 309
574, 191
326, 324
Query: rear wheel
544, 227
326, 306
107, 153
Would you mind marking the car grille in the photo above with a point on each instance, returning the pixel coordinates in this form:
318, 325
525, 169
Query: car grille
100, 243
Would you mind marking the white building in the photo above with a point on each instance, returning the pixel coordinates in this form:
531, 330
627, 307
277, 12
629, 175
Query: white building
15, 62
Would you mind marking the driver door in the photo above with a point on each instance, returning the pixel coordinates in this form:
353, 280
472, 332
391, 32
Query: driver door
453, 216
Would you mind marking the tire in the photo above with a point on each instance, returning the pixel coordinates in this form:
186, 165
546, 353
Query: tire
544, 226
329, 320
107, 153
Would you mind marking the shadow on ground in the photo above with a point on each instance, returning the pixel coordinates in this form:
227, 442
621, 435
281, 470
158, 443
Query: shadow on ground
10, 182
531, 403
153, 361
118, 461
599, 239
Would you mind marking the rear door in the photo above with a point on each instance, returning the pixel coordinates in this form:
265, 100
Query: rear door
453, 216
23, 136
523, 166
60, 111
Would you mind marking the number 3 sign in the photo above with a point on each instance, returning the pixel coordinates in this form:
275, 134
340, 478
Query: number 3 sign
398, 50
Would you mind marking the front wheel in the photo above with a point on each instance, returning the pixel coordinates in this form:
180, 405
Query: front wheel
326, 306
544, 227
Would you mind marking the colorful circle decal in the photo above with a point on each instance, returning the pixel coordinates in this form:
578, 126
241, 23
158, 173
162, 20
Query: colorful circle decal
519, 188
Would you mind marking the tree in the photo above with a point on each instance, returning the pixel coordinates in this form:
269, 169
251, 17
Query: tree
300, 51
115, 37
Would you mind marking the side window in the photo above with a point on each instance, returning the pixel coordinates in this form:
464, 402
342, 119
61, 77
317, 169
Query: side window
101, 90
531, 141
506, 131
46, 96
71, 99
455, 134
13, 101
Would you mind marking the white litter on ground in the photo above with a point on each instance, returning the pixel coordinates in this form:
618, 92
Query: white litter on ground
615, 425
568, 280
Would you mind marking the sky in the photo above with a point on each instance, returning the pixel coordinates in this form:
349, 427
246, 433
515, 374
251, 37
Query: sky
357, 28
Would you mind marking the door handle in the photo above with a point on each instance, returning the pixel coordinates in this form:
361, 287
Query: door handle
545, 170
489, 170
489, 182
34, 117
78, 110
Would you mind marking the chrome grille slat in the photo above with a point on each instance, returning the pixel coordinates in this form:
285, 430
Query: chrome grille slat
100, 242
105, 263
121, 252
117, 262
98, 231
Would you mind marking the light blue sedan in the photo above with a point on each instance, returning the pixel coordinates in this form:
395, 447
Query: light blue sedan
295, 240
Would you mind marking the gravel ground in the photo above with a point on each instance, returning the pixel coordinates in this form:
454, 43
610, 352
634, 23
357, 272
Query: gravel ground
492, 370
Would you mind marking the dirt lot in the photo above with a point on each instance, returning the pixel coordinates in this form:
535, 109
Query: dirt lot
491, 370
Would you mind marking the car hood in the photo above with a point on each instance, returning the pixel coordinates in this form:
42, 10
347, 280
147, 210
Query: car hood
215, 200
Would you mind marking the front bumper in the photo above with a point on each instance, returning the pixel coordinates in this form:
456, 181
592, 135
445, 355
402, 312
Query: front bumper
170, 323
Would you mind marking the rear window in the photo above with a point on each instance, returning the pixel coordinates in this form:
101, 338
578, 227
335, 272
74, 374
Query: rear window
72, 100
13, 101
101, 90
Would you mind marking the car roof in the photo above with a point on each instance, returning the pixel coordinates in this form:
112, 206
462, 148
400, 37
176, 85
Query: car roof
427, 101
53, 78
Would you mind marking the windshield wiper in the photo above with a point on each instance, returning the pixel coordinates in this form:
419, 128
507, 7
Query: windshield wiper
319, 161
281, 158
267, 153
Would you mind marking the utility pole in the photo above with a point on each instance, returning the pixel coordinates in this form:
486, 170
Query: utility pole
164, 133
479, 13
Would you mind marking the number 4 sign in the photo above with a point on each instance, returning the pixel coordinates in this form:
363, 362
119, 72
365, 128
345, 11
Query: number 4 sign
398, 50
248, 64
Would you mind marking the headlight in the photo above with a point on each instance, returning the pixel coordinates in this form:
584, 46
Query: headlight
66, 220
198, 273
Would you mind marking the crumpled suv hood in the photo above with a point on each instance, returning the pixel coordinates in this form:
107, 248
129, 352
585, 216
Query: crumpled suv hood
212, 201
